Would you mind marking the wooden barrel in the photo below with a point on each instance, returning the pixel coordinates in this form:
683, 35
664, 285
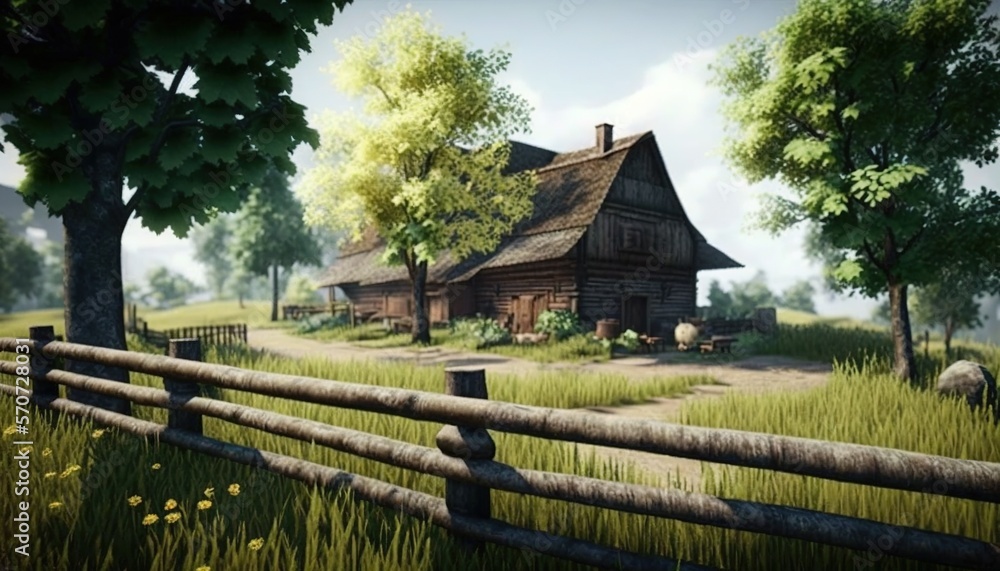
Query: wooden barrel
608, 329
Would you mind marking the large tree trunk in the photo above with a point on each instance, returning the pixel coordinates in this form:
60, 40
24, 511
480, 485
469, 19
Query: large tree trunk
902, 336
421, 324
95, 305
274, 293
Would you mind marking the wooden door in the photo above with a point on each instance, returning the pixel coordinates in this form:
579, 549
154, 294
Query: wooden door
635, 315
438, 309
524, 313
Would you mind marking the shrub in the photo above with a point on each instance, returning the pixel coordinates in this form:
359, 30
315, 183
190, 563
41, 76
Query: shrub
559, 324
319, 322
480, 331
629, 340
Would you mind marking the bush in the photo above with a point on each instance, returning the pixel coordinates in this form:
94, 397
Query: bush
480, 331
629, 340
319, 322
560, 324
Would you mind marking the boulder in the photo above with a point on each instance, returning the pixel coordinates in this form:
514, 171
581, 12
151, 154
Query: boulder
971, 381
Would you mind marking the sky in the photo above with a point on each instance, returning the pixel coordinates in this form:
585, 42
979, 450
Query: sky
638, 65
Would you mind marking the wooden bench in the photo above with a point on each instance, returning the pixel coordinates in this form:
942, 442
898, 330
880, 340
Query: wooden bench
718, 344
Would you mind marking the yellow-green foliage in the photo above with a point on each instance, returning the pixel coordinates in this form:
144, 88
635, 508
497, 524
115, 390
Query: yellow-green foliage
423, 165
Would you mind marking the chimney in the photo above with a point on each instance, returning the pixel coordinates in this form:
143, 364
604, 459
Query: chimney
604, 137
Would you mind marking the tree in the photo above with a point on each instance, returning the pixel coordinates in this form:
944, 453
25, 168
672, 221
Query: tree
20, 268
424, 169
751, 294
302, 290
91, 115
720, 303
865, 110
211, 249
799, 296
165, 288
950, 304
269, 233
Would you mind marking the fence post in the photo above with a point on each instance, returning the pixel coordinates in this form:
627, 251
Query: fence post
145, 330
927, 343
468, 444
182, 390
350, 314
40, 364
244, 329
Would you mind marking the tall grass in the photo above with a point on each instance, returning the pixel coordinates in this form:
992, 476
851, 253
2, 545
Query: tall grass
96, 528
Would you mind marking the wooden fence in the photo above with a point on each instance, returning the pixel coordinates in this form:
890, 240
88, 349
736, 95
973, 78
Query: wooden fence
230, 334
464, 455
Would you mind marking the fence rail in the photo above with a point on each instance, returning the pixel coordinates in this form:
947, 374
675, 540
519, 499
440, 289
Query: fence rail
465, 450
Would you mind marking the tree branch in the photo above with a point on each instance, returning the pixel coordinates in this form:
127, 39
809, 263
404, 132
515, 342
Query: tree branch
807, 127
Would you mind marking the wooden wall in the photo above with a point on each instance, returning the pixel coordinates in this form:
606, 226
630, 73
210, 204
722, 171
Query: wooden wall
670, 292
622, 234
502, 292
643, 183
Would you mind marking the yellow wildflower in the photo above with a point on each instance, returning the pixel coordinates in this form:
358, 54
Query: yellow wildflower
9, 430
171, 504
204, 504
47, 452
24, 450
256, 544
172, 517
69, 470
150, 519
55, 505
209, 492
97, 434
234, 489
50, 474
156, 466
134, 501
204, 568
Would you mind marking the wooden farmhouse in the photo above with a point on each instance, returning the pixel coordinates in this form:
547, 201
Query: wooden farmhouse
608, 239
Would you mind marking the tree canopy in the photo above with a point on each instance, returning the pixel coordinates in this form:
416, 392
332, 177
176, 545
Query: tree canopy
423, 166
106, 132
865, 110
21, 269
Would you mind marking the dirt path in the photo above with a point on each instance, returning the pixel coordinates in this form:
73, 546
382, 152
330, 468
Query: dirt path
753, 374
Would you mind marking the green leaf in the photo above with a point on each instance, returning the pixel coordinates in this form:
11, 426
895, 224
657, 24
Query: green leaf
52, 180
141, 172
51, 131
76, 16
850, 112
222, 145
216, 114
233, 43
169, 35
228, 83
178, 146
101, 92
848, 271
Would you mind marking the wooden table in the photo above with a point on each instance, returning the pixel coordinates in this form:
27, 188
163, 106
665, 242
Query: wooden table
650, 344
718, 344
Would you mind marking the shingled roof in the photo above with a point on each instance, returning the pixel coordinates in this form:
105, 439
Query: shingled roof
571, 189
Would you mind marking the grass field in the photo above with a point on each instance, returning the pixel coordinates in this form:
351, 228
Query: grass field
254, 314
83, 484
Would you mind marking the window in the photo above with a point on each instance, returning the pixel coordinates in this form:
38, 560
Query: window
632, 239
